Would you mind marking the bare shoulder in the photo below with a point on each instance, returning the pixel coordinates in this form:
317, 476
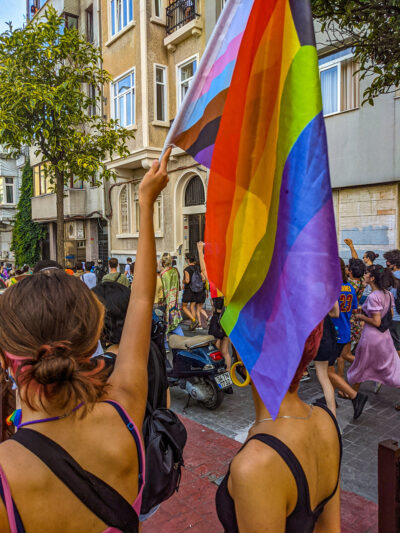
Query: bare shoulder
258, 463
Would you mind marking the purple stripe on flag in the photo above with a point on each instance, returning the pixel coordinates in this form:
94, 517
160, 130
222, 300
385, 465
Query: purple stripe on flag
294, 312
204, 157
218, 67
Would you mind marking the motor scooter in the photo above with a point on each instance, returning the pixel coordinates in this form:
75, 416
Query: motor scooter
198, 368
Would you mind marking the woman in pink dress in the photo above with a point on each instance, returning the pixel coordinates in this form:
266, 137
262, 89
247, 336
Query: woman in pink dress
376, 357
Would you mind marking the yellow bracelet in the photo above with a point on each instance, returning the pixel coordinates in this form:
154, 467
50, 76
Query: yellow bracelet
235, 379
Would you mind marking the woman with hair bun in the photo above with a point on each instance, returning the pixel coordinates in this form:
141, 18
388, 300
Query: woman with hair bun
376, 357
76, 463
286, 476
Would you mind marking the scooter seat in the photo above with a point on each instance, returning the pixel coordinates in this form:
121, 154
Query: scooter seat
177, 342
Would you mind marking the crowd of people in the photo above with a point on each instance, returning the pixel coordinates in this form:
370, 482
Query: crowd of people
86, 451
363, 329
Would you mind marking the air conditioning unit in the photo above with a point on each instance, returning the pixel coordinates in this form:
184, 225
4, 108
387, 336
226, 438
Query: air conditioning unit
75, 230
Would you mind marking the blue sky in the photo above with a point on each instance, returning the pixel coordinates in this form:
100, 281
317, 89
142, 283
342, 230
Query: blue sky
13, 10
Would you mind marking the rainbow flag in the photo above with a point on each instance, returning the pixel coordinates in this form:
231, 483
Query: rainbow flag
253, 116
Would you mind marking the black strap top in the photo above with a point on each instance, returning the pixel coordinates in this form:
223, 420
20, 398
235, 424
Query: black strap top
303, 518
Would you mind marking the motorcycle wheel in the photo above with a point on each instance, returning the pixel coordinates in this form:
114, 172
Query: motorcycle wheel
216, 395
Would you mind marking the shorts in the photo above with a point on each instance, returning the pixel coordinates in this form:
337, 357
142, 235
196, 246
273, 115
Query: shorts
395, 333
337, 352
197, 297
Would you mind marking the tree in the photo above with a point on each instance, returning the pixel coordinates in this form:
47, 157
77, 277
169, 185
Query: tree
372, 27
46, 71
27, 235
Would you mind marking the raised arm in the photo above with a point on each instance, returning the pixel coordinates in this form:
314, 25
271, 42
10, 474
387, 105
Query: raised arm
200, 249
129, 380
350, 244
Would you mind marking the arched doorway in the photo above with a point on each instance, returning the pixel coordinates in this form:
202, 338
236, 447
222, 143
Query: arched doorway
194, 212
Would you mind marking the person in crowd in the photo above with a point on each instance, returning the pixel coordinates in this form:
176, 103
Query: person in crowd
356, 271
79, 269
100, 271
46, 265
376, 356
327, 352
393, 263
189, 298
127, 271
159, 295
51, 326
131, 272
347, 303
369, 257
171, 284
114, 275
12, 277
215, 329
286, 476
194, 290
88, 277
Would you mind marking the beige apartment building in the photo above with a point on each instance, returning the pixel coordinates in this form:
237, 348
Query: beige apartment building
86, 227
152, 49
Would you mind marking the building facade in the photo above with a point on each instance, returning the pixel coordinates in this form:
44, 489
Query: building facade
86, 227
10, 183
152, 49
364, 155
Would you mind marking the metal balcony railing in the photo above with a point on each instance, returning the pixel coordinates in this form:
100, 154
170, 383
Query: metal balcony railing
179, 13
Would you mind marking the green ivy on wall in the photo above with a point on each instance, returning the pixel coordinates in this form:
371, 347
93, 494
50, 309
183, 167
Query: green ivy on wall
27, 235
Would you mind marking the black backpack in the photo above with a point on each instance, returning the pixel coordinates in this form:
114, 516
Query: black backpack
164, 435
196, 283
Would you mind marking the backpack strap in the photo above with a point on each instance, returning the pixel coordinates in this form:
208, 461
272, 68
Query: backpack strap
104, 501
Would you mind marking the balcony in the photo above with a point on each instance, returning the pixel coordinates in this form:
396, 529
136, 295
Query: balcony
183, 20
44, 207
179, 13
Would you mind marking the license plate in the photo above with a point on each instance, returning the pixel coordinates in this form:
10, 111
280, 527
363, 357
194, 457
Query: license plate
223, 380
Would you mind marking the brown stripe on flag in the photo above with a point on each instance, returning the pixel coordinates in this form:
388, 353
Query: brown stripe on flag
213, 110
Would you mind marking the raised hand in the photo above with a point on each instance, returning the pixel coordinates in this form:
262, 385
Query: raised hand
154, 181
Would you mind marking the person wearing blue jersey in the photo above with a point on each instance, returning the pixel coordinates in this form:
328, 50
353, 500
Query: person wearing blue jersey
347, 303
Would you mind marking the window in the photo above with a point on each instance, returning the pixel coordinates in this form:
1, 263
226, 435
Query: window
161, 93
89, 24
41, 182
7, 191
124, 213
186, 74
121, 14
71, 21
340, 85
92, 95
123, 92
157, 217
157, 8
194, 193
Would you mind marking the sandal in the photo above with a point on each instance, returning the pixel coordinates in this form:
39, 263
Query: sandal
397, 406
343, 395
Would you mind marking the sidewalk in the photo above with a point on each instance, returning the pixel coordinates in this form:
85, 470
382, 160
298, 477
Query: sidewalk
207, 456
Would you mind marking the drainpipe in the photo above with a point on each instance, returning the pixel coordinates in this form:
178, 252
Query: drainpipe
143, 72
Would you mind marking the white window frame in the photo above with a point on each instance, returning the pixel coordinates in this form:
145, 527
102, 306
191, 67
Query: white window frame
180, 65
160, 3
113, 7
4, 187
113, 85
336, 63
157, 121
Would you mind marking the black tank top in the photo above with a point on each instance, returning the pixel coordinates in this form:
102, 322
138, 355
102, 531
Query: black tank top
302, 518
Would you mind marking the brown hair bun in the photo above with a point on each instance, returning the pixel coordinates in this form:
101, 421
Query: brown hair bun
51, 323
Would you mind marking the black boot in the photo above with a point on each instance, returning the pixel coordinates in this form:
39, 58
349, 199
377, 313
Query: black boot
359, 403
